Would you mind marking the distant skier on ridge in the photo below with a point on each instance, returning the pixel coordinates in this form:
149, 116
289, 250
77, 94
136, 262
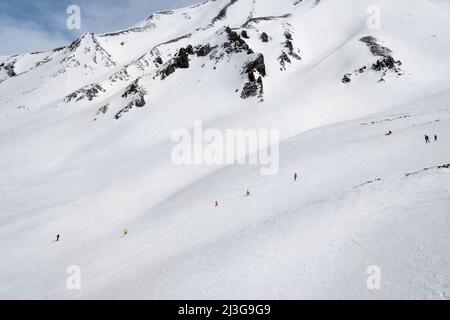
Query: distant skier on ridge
427, 139
295, 176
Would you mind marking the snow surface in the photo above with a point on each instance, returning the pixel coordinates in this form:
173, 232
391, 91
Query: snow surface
69, 167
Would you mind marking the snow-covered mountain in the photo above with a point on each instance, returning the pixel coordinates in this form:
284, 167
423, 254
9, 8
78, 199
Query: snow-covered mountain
85, 152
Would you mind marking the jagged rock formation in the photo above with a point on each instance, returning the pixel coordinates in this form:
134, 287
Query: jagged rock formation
386, 62
135, 94
86, 52
88, 92
254, 87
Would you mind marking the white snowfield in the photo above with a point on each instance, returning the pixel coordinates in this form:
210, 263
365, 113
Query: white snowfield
85, 152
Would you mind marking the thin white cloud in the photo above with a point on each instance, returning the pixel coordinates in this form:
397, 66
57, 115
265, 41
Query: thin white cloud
97, 16
18, 37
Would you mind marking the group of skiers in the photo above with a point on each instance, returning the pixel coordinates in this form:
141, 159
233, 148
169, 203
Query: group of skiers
427, 139
124, 234
216, 204
248, 194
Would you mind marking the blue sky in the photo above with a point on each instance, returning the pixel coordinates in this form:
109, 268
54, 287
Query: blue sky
37, 25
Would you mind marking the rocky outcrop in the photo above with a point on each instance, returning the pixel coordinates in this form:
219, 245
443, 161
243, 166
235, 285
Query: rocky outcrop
253, 89
203, 51
384, 65
264, 37
7, 70
288, 52
180, 61
88, 47
257, 65
223, 12
158, 61
235, 43
88, 92
255, 71
102, 110
136, 95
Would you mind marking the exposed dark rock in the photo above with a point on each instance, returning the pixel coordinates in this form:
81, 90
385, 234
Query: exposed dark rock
254, 86
375, 48
103, 109
444, 166
283, 59
264, 37
235, 43
88, 92
120, 75
256, 65
180, 61
203, 51
169, 70
250, 90
386, 63
59, 49
133, 88
266, 18
223, 12
288, 35
158, 61
346, 79
289, 45
137, 94
140, 102
190, 49
100, 55
9, 68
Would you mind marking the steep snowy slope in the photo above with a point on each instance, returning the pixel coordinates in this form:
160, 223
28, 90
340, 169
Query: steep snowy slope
85, 152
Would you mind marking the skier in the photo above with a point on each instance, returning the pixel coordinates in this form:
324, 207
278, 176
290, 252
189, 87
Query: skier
57, 238
247, 194
427, 139
435, 138
389, 133
125, 232
216, 204
295, 176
